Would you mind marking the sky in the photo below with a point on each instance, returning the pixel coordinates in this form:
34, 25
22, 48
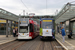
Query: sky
39, 7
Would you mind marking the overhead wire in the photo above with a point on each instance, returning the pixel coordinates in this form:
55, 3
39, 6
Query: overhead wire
28, 8
25, 5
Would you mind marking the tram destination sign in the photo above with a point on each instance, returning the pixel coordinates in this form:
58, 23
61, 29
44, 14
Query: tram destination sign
24, 20
47, 20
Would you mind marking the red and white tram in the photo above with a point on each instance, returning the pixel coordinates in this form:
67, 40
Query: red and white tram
27, 28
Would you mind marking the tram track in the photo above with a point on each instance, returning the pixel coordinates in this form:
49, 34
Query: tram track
12, 45
41, 45
35, 44
18, 46
7, 44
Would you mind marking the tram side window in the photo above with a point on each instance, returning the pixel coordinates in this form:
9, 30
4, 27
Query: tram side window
35, 28
2, 28
40, 24
53, 25
31, 27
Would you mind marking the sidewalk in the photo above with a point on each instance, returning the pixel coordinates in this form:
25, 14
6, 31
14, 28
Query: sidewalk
69, 44
4, 39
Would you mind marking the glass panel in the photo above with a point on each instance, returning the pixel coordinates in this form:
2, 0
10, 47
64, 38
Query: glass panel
74, 28
47, 25
2, 29
31, 27
0, 10
23, 29
67, 25
35, 28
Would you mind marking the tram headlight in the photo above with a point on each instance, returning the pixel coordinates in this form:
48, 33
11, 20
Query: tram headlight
19, 34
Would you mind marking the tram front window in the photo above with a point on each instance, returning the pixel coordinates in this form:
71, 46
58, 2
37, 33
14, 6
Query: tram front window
47, 25
23, 29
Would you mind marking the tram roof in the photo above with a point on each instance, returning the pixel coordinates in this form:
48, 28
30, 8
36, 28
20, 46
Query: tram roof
66, 13
8, 15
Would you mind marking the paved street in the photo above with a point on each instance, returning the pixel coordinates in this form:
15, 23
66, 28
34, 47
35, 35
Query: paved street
35, 44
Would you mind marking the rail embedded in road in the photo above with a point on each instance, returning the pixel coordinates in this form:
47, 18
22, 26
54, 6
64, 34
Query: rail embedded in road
35, 44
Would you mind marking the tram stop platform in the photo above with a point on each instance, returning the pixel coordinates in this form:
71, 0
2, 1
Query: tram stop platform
69, 44
4, 39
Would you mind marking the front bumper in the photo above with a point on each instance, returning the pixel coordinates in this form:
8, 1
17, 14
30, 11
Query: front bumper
24, 38
47, 37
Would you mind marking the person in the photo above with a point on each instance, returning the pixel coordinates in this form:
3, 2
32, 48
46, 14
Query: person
14, 32
63, 33
70, 34
53, 33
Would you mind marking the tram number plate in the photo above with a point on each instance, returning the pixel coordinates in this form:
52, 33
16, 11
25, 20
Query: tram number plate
23, 33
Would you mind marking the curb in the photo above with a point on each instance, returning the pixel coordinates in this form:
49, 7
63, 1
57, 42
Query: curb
61, 44
7, 41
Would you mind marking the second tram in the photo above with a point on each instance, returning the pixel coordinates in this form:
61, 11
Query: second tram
47, 28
